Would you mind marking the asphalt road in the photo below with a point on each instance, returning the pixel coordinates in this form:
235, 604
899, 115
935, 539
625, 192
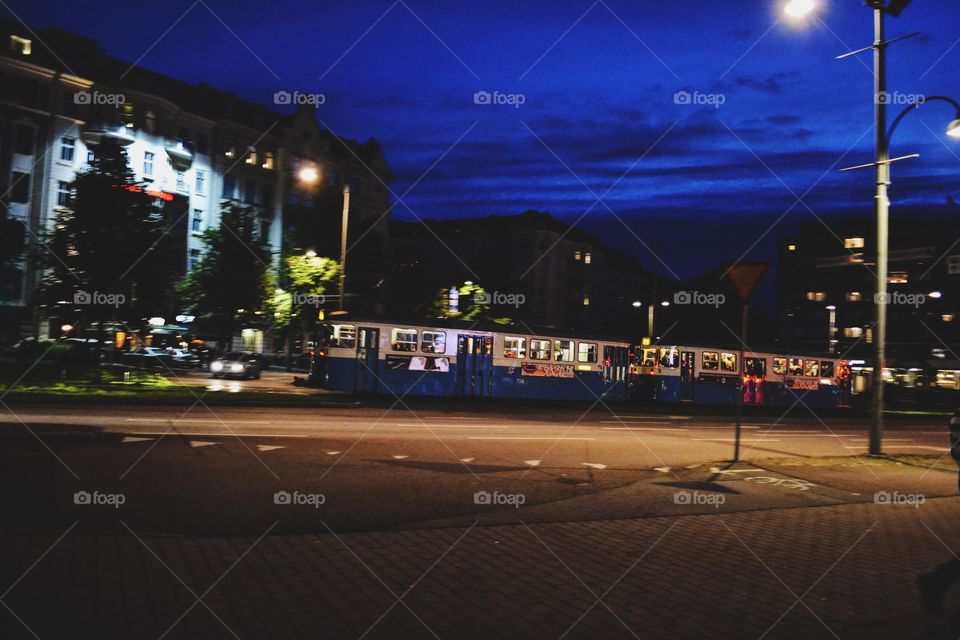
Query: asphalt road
236, 470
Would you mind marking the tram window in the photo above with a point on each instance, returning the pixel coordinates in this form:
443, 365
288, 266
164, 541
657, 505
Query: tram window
826, 369
514, 347
564, 352
670, 358
404, 339
812, 369
728, 362
796, 367
344, 335
539, 349
587, 352
434, 342
709, 361
649, 358
779, 366
755, 367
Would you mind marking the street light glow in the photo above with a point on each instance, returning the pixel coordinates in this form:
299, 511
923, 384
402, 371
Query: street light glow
308, 175
953, 129
637, 304
935, 294
799, 8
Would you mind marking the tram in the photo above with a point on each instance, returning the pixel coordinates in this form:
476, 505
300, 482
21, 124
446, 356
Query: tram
402, 359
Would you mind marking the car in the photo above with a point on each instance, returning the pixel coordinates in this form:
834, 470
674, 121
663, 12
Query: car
184, 358
238, 364
148, 357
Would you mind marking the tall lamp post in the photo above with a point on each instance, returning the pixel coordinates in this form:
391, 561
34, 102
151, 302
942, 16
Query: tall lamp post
882, 161
344, 219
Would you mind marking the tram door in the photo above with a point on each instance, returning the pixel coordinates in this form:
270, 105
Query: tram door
687, 362
474, 365
368, 350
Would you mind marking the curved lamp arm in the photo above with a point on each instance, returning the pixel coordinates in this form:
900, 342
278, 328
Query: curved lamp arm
916, 105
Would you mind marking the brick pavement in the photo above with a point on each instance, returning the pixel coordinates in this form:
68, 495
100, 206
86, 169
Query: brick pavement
736, 575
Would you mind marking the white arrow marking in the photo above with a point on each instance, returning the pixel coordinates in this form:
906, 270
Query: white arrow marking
594, 465
399, 457
127, 439
532, 463
467, 459
719, 470
333, 453
662, 469
201, 443
269, 447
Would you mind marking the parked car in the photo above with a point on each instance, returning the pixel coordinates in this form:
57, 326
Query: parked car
148, 358
237, 364
184, 359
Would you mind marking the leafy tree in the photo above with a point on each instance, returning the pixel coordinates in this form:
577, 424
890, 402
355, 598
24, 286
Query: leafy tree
233, 285
473, 304
109, 255
307, 278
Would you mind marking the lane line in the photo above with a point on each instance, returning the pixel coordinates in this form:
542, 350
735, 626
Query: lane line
199, 420
525, 438
677, 429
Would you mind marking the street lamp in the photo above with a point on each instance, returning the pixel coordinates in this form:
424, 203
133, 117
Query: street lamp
799, 8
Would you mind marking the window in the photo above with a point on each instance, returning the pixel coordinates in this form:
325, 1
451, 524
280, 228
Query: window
539, 349
586, 301
564, 352
194, 257
648, 357
514, 347
576, 256
268, 159
148, 163
853, 243
947, 317
229, 187
854, 296
197, 223
434, 342
251, 155
796, 367
852, 332
755, 367
816, 296
20, 191
23, 46
250, 191
91, 156
345, 336
201, 186
181, 181
63, 194
826, 368
670, 358
230, 149
587, 352
898, 277
23, 143
791, 247
953, 265
709, 361
779, 366
812, 369
728, 362
67, 147
587, 258
404, 339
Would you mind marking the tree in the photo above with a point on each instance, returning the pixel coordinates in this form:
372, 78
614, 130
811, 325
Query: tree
306, 277
12, 244
109, 254
473, 304
233, 285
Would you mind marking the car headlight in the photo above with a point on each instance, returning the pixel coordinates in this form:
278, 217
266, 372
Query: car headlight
236, 367
216, 365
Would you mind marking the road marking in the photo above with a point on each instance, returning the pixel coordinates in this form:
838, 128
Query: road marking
923, 446
467, 459
532, 463
269, 447
201, 443
616, 415
399, 457
333, 453
525, 438
625, 421
451, 426
199, 420
742, 439
128, 439
719, 470
662, 469
678, 429
594, 465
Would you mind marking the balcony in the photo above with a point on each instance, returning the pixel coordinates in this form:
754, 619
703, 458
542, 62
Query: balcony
94, 134
180, 155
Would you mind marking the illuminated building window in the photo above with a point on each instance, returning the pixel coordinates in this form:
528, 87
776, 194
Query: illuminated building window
947, 317
853, 243
586, 301
854, 296
576, 255
898, 277
230, 150
268, 159
816, 296
586, 258
953, 265
853, 332
791, 247
23, 46
251, 155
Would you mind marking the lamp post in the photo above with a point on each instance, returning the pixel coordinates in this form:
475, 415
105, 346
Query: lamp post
344, 219
831, 329
881, 164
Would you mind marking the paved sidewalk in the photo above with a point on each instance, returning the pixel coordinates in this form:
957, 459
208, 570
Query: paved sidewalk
845, 571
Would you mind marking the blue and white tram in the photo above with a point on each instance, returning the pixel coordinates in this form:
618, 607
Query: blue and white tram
378, 357
708, 375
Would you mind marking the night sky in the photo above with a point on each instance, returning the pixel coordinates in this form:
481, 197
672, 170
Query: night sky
697, 183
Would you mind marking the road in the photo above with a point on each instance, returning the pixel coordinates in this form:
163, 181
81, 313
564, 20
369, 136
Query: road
217, 470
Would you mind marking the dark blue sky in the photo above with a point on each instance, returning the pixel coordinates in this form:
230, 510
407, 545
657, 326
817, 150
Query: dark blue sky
699, 183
